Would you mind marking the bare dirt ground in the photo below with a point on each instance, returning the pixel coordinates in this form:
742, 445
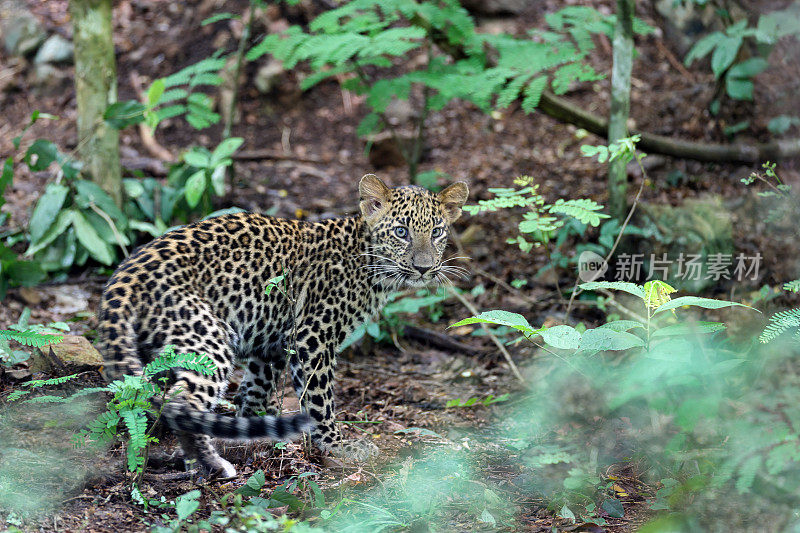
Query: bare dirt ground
404, 385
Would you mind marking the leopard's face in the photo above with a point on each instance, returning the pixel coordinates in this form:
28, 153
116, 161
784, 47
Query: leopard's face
409, 227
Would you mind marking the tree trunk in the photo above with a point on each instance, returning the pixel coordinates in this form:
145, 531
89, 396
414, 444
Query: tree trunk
620, 106
96, 89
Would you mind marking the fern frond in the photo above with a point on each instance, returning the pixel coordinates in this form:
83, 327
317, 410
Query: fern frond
792, 286
510, 92
168, 360
779, 323
47, 399
17, 394
583, 209
747, 473
36, 383
30, 338
136, 423
533, 93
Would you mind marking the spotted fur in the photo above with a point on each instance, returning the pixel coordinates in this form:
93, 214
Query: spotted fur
201, 288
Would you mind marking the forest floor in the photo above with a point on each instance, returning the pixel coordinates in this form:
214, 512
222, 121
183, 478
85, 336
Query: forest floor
382, 389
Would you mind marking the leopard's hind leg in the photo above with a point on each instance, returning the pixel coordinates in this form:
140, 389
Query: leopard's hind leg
190, 393
262, 372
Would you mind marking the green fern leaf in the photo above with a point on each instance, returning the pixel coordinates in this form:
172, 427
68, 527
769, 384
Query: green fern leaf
533, 93
168, 360
779, 323
136, 423
747, 473
510, 92
30, 338
583, 209
793, 286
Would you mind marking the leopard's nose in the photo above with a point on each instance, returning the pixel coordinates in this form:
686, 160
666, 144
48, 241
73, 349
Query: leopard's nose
422, 269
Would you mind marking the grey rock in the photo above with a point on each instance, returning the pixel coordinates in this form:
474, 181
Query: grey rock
22, 34
55, 49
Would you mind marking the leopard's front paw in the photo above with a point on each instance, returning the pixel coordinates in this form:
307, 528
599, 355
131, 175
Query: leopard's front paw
354, 450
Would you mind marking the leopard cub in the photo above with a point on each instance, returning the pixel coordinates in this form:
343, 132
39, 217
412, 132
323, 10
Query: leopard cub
201, 288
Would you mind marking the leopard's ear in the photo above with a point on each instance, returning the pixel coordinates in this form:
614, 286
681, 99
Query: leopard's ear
453, 199
375, 196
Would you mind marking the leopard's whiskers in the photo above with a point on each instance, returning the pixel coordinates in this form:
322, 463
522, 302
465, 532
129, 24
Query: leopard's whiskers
465, 258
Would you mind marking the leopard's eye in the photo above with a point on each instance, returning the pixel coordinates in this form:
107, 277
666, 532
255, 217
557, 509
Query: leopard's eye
437, 232
401, 232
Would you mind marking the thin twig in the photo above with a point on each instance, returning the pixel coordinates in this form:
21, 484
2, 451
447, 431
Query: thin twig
491, 335
673, 60
575, 290
148, 139
237, 71
113, 226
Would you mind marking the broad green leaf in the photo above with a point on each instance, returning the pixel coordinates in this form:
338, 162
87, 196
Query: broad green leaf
780, 124
198, 157
724, 54
40, 154
195, 186
219, 16
90, 240
706, 303
613, 507
561, 337
487, 518
603, 339
62, 222
689, 329
133, 188
500, 317
104, 229
90, 193
218, 180
224, 150
154, 92
738, 89
676, 350
147, 227
187, 504
25, 273
253, 485
226, 211
280, 498
703, 47
123, 114
625, 286
748, 68
6, 177
622, 325
46, 210
725, 366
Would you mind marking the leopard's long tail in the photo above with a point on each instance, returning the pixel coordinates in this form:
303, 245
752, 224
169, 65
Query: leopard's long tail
118, 345
182, 417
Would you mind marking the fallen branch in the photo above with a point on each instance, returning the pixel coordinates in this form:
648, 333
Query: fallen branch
257, 155
148, 139
491, 335
561, 109
438, 340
